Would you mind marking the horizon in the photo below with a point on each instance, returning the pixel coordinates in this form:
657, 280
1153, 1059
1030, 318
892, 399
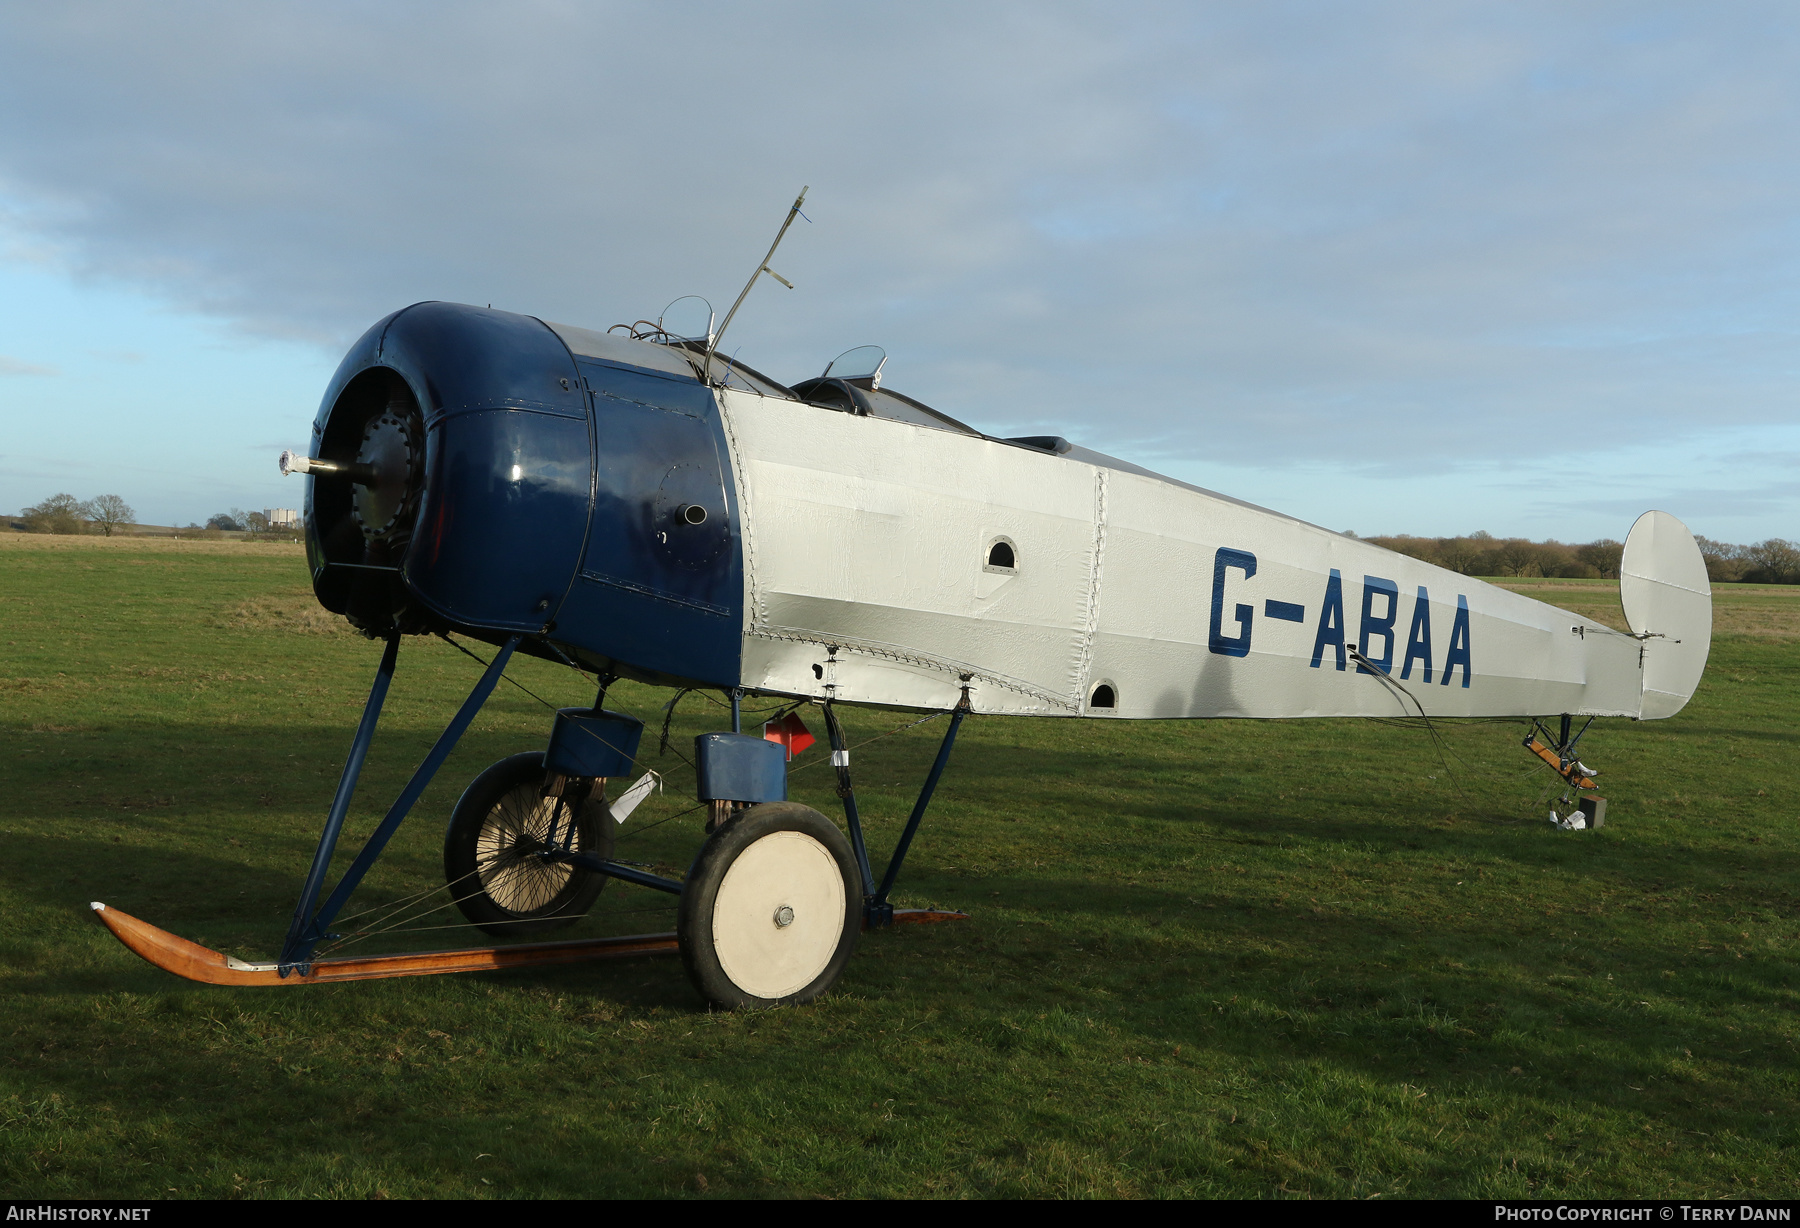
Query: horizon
1509, 264
11, 522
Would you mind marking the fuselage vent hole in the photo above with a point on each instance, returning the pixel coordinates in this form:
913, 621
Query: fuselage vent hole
1000, 554
1103, 697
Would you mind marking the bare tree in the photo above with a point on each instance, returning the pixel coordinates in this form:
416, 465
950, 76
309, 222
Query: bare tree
57, 514
1725, 562
1458, 554
109, 512
1603, 556
1520, 557
1775, 561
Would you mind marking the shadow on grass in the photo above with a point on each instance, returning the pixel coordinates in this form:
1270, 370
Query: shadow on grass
1450, 1001
1488, 998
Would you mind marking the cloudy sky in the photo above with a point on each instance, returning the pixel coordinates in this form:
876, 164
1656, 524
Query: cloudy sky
1410, 267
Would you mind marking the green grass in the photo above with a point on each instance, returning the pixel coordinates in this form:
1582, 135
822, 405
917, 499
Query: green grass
1210, 958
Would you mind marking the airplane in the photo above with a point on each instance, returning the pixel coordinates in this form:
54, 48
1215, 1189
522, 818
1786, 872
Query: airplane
634, 505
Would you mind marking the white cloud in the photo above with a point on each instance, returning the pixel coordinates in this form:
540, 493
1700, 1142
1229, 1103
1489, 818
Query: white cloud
1387, 237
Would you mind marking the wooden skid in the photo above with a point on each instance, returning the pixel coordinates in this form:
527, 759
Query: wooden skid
173, 953
197, 963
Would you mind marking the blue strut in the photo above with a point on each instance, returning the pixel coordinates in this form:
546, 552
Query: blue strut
309, 929
883, 910
340, 804
878, 911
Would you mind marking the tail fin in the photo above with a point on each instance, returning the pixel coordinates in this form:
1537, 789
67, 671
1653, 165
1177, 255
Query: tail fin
1668, 602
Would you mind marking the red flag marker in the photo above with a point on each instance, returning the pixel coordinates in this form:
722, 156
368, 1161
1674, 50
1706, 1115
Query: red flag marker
791, 732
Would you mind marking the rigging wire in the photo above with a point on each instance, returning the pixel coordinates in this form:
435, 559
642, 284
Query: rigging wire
407, 910
930, 716
405, 923
1394, 688
395, 906
640, 830
552, 707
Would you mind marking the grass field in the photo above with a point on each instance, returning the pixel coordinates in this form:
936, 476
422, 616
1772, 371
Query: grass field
1206, 958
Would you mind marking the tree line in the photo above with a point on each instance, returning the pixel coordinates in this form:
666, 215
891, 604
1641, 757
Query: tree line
67, 514
107, 514
1775, 561
237, 520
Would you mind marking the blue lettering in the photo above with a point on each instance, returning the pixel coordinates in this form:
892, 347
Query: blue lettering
1286, 611
1373, 587
1331, 621
1418, 639
1238, 645
1459, 643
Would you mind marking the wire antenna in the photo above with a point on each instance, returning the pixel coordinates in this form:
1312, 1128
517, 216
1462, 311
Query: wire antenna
760, 270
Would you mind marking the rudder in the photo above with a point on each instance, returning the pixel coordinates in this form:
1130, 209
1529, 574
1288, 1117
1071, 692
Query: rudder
1668, 603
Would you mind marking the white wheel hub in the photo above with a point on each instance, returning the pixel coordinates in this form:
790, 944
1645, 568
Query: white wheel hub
779, 915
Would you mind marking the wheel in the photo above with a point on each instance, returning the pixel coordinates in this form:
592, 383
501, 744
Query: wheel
771, 908
492, 850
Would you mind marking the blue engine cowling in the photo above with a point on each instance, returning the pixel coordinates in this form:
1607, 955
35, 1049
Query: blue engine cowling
584, 500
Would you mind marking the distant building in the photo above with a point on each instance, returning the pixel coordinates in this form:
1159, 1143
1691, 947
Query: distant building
281, 517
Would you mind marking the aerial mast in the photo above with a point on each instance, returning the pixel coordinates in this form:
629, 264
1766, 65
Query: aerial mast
760, 270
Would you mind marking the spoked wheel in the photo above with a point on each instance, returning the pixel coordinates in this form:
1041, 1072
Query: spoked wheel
493, 851
771, 908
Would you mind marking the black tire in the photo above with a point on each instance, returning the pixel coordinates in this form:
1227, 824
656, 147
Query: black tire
781, 929
491, 860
